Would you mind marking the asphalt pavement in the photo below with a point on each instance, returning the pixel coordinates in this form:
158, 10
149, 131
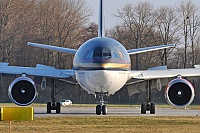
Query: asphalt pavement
114, 111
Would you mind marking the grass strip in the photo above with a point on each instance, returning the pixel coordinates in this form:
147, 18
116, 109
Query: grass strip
111, 124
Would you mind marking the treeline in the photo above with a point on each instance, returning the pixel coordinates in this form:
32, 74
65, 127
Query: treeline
144, 25
54, 22
66, 23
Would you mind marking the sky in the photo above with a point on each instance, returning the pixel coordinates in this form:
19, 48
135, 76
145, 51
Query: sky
111, 6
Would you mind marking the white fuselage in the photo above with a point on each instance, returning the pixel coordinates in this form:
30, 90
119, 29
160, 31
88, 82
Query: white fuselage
101, 81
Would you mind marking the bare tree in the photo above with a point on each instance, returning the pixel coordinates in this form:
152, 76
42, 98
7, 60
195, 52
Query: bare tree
190, 23
194, 32
140, 23
167, 26
140, 19
90, 31
54, 22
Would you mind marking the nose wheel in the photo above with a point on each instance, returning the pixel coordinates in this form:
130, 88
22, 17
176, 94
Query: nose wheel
101, 108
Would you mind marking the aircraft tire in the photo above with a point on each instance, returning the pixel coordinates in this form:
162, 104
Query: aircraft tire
143, 108
49, 107
152, 108
98, 109
104, 110
58, 107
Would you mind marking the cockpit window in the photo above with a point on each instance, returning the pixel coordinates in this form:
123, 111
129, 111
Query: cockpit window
102, 53
106, 53
99, 51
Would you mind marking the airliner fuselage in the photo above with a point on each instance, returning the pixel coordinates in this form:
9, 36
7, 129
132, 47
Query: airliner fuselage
102, 65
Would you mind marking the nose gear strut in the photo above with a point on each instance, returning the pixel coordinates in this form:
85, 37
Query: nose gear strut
101, 107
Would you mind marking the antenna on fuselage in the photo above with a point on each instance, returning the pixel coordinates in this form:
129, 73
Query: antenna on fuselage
101, 30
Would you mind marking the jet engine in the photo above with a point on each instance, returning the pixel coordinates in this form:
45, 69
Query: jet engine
22, 91
179, 92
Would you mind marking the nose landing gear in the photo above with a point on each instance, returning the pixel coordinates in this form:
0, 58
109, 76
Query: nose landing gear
101, 107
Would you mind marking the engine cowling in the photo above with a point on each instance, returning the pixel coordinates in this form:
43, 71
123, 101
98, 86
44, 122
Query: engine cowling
22, 91
179, 92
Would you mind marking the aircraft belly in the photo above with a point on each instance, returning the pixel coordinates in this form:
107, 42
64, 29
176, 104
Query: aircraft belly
105, 81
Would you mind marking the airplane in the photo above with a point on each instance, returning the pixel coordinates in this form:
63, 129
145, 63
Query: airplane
101, 66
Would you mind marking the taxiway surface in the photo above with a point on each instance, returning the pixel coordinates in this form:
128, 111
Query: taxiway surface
113, 111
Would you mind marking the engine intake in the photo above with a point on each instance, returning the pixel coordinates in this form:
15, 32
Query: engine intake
22, 91
179, 93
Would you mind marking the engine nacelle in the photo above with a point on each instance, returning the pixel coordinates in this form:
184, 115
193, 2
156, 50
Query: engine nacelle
179, 92
22, 91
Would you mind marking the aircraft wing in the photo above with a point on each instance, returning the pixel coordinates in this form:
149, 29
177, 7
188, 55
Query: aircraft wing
60, 49
167, 73
147, 49
39, 70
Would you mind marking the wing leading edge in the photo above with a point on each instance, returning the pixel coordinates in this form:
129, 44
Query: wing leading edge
40, 71
168, 73
147, 49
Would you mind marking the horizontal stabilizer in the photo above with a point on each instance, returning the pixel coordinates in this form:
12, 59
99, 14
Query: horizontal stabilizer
147, 49
56, 48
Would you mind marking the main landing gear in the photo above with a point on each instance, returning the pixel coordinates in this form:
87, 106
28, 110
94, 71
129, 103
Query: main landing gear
101, 107
53, 105
148, 105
